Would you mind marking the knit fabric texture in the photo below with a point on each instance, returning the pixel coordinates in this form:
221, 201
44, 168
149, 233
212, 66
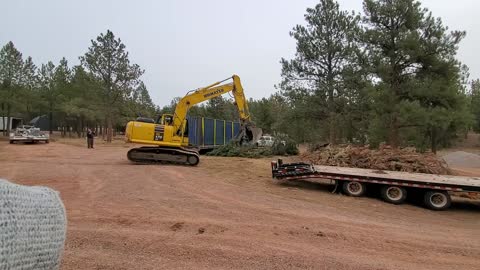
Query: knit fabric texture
32, 227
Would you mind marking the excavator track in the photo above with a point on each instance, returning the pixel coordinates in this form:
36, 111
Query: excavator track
149, 154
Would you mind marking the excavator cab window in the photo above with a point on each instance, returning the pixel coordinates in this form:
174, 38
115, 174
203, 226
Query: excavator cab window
166, 119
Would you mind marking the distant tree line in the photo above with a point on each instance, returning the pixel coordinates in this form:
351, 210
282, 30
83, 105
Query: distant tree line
102, 92
386, 75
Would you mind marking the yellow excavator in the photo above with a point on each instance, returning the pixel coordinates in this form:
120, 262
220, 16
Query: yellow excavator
168, 135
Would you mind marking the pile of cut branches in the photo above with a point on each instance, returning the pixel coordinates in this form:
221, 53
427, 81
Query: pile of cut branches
384, 158
279, 148
232, 150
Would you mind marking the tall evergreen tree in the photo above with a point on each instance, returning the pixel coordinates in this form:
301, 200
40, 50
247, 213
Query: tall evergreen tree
49, 91
412, 59
108, 61
326, 47
142, 102
11, 71
30, 85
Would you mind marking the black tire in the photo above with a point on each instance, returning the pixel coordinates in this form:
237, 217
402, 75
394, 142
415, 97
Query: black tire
393, 194
437, 200
11, 142
354, 189
47, 141
193, 160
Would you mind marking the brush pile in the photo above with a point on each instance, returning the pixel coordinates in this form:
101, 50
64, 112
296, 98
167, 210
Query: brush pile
279, 148
384, 158
231, 150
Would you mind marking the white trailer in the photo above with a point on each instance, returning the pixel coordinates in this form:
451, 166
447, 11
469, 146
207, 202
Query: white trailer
394, 186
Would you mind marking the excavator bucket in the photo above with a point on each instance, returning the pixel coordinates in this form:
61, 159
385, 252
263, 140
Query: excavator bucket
249, 134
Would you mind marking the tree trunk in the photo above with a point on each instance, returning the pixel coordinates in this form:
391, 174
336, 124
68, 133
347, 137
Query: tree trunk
3, 120
331, 103
50, 122
79, 127
333, 125
393, 132
102, 130
109, 129
82, 128
29, 113
9, 119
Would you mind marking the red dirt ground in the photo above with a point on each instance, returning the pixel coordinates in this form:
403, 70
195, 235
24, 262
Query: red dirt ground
227, 213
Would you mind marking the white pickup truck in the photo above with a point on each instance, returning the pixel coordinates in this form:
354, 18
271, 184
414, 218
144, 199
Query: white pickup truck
30, 134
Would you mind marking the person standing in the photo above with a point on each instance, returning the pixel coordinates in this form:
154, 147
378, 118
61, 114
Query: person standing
90, 136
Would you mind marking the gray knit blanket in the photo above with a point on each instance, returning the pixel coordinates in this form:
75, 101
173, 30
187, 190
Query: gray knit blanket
32, 227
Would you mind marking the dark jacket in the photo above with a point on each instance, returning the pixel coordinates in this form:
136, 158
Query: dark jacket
90, 134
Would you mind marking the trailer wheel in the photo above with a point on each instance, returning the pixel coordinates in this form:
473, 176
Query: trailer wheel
11, 141
393, 194
437, 200
47, 141
354, 189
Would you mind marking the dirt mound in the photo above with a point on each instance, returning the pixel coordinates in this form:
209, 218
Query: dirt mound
384, 158
462, 159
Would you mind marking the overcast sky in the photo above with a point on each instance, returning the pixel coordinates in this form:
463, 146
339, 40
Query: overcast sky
183, 45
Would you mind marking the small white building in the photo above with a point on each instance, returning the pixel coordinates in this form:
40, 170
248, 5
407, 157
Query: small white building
14, 123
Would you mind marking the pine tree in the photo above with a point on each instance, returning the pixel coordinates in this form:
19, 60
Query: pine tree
411, 56
48, 90
30, 85
11, 71
108, 61
325, 49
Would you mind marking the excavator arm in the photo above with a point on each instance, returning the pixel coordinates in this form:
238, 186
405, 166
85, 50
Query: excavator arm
248, 130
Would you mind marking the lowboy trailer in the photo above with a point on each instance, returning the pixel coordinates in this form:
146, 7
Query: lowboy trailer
394, 186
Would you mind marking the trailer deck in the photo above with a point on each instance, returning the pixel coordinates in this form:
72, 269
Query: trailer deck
394, 184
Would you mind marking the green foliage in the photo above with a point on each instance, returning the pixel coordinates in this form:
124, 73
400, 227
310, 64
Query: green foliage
326, 54
282, 146
107, 60
30, 94
11, 77
390, 75
475, 104
412, 57
105, 86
